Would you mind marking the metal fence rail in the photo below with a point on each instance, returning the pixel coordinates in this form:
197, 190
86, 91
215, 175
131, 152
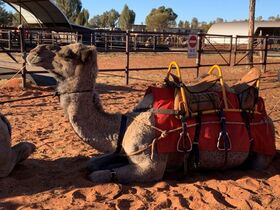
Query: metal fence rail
226, 47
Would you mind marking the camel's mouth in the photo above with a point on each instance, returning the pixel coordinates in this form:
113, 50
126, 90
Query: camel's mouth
35, 60
57, 75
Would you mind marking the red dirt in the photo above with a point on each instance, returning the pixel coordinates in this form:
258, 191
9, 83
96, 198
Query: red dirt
54, 177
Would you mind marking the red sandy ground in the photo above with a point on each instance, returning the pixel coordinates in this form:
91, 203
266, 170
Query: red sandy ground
54, 177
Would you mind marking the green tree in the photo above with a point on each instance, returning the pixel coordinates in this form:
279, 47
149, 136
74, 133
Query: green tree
181, 24
71, 8
219, 20
194, 23
184, 24
204, 26
107, 20
113, 17
259, 18
95, 21
6, 18
187, 24
160, 19
82, 18
127, 18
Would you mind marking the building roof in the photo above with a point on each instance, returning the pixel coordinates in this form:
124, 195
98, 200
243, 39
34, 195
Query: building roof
240, 28
40, 12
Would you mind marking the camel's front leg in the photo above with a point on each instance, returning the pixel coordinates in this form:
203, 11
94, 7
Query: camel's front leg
146, 170
10, 156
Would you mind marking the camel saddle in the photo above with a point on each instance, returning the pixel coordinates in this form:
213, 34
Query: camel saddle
201, 95
247, 89
260, 128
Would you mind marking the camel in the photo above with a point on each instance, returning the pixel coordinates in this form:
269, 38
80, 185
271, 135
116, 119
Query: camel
75, 68
10, 156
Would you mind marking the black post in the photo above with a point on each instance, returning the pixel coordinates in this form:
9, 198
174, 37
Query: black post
265, 54
199, 51
230, 51
106, 42
23, 55
127, 48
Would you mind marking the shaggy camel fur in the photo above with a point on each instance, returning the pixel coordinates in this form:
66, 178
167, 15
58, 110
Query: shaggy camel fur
10, 156
75, 67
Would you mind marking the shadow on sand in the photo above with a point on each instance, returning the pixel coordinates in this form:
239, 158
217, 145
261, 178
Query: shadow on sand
35, 176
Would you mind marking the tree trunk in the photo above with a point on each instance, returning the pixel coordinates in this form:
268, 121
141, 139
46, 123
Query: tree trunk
251, 31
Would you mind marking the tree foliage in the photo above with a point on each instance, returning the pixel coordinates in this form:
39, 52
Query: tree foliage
274, 18
6, 18
107, 20
194, 23
127, 18
71, 8
184, 24
160, 19
82, 18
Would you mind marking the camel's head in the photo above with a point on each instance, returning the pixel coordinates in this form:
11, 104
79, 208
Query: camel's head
74, 65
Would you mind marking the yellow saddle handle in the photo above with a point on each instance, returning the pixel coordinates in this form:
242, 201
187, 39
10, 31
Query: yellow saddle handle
182, 90
221, 79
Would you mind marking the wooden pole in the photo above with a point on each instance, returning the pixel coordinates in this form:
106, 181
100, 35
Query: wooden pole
251, 31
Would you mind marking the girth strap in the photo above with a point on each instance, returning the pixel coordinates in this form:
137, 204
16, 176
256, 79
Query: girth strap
121, 133
196, 140
247, 120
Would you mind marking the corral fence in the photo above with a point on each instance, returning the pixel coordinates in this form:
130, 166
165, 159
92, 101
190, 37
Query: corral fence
232, 51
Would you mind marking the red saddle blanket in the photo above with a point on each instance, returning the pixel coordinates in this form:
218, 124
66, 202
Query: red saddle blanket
261, 128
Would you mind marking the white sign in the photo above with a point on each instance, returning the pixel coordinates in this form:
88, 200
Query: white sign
192, 45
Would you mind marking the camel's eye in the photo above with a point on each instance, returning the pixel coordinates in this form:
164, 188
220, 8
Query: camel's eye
66, 53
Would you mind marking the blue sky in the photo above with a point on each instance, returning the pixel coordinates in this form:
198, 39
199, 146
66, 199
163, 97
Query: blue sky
204, 10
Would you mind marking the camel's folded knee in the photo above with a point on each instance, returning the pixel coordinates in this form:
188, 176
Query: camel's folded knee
14, 155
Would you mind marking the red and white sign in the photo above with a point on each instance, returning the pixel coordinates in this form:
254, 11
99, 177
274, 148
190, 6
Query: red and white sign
192, 45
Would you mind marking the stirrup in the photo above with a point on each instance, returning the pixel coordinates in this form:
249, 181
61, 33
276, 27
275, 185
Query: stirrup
184, 146
219, 139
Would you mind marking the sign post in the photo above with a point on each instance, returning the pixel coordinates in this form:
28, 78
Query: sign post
192, 46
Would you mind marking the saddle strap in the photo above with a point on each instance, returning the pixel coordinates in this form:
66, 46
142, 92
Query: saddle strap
196, 140
192, 161
223, 143
247, 120
121, 133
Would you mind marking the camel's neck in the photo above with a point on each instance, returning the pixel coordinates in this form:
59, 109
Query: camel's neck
90, 122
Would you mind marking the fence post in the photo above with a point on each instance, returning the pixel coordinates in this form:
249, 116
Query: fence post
9, 40
154, 42
77, 37
106, 42
23, 55
235, 49
111, 40
265, 54
127, 48
230, 53
199, 51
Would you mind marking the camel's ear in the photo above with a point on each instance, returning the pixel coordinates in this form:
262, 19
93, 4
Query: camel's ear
87, 53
